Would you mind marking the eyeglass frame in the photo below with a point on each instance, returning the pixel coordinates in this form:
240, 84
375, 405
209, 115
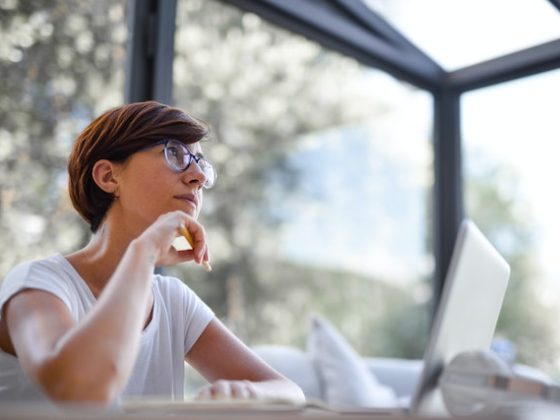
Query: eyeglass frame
191, 157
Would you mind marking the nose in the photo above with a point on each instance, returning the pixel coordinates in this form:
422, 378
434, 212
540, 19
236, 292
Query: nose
194, 175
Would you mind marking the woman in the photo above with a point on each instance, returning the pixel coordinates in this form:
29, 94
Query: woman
97, 324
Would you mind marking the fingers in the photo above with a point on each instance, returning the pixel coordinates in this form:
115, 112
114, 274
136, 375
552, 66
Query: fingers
161, 234
206, 259
184, 255
195, 235
204, 394
228, 390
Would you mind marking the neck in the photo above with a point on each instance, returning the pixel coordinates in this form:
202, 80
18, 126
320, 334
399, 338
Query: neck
98, 260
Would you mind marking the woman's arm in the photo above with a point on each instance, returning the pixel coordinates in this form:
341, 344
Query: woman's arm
235, 371
92, 360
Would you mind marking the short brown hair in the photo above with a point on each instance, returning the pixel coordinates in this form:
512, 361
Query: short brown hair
115, 135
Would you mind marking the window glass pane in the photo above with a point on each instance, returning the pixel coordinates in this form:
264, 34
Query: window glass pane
458, 33
324, 183
511, 148
61, 64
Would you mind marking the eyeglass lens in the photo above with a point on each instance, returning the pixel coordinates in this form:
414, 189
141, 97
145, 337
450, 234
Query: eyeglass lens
179, 158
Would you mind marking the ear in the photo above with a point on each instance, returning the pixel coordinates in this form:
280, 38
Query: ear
105, 175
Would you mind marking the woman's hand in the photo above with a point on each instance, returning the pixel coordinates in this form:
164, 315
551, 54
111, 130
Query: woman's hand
235, 372
271, 390
159, 237
228, 390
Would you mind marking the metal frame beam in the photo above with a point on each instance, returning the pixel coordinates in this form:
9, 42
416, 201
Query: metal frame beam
448, 183
368, 18
323, 23
519, 64
555, 3
150, 53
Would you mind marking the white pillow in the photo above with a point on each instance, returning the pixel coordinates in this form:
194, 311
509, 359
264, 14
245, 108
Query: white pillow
347, 381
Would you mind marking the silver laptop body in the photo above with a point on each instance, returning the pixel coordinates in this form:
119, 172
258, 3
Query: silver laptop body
466, 317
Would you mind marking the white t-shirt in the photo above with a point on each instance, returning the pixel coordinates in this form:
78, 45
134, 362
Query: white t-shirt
179, 317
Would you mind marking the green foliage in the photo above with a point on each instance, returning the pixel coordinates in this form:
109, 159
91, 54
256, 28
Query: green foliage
492, 202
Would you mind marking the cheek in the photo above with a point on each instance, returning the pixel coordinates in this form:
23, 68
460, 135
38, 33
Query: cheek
145, 185
146, 188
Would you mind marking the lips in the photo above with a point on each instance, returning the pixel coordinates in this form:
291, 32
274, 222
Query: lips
189, 198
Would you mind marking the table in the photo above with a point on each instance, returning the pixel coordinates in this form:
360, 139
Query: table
179, 410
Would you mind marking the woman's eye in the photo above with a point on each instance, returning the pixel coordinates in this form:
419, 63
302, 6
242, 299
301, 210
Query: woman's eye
176, 153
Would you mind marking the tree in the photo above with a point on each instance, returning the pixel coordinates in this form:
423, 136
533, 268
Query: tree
493, 203
60, 66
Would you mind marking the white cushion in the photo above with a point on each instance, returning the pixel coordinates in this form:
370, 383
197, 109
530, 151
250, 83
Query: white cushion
347, 381
401, 375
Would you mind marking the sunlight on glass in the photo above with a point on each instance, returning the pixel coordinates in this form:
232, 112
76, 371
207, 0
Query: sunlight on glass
458, 33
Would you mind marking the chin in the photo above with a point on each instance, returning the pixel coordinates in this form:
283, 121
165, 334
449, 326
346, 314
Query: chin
189, 210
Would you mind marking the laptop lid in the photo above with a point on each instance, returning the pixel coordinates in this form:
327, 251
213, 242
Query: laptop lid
466, 318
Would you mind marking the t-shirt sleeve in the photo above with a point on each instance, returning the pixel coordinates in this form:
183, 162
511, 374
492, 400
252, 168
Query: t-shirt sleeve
198, 316
34, 275
194, 315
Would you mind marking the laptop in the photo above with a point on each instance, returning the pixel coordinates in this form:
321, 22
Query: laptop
465, 320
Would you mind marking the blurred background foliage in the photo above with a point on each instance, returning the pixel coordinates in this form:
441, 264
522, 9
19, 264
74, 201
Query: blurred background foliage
262, 90
61, 63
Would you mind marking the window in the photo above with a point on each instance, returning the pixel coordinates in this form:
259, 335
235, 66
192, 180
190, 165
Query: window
324, 184
511, 151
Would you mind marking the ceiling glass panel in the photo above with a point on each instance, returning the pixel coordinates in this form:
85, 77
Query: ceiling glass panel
459, 33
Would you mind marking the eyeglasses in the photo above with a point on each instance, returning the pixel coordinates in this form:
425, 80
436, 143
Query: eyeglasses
178, 158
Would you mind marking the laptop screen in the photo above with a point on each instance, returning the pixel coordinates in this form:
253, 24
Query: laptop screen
466, 318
